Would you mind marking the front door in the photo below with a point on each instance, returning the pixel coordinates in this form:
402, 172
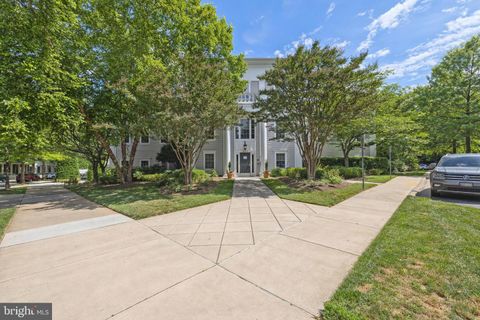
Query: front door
245, 162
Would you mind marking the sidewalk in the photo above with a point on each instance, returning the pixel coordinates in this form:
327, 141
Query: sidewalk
269, 259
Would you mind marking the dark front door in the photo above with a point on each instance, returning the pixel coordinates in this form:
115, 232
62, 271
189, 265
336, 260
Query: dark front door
245, 162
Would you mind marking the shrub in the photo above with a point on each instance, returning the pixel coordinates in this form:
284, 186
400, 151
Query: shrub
370, 162
331, 175
350, 172
296, 173
153, 177
68, 169
107, 179
138, 175
153, 169
90, 174
212, 173
376, 172
175, 177
278, 172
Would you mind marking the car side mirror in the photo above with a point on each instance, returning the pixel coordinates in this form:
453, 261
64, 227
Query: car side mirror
432, 166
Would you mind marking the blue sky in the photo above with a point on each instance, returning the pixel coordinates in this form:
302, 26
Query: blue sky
405, 36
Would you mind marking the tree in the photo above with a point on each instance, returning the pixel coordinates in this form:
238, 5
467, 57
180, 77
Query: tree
313, 91
37, 74
454, 95
349, 135
167, 154
196, 92
81, 140
397, 126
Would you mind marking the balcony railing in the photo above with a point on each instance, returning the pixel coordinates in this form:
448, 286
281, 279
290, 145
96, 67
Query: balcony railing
246, 97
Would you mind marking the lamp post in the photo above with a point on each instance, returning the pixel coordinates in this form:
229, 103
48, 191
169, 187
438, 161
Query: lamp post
363, 162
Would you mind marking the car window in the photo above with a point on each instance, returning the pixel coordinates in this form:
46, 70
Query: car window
466, 161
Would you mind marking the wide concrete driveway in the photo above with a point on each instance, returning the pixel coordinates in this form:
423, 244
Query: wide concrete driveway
252, 257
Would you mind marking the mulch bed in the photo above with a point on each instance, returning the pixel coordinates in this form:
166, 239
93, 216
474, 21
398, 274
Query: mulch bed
311, 185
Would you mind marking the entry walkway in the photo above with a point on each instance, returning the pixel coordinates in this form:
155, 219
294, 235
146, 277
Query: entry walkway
252, 257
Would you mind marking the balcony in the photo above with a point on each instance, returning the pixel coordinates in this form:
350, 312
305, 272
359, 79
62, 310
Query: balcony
246, 97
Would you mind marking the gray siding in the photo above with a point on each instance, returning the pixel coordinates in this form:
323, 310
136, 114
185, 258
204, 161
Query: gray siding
216, 146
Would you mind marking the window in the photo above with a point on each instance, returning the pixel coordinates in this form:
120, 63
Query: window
254, 88
144, 164
245, 129
127, 139
145, 139
280, 160
209, 161
252, 129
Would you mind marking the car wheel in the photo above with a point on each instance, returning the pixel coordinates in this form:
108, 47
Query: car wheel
434, 193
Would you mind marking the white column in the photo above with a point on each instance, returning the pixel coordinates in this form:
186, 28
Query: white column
228, 147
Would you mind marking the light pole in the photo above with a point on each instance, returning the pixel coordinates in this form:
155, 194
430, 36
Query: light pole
390, 160
363, 161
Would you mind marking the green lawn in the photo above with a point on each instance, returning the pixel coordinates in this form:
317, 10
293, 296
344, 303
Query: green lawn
328, 197
5, 216
13, 191
379, 179
425, 264
142, 201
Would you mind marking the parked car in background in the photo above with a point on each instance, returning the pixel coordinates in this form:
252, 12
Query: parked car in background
456, 173
3, 178
423, 166
51, 175
29, 177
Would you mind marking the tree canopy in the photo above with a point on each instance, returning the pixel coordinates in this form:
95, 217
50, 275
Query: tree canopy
314, 90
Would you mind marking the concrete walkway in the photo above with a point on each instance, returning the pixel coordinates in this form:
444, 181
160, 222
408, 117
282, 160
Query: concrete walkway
253, 257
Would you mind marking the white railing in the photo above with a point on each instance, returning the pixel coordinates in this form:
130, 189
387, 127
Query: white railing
246, 97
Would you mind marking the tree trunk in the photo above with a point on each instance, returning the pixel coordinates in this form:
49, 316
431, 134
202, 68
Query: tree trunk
133, 151
454, 146
22, 173
468, 143
7, 177
311, 167
95, 171
43, 170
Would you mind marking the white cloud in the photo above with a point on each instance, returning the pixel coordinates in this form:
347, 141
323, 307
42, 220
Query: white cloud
248, 52
429, 54
388, 20
450, 10
315, 31
340, 44
364, 13
379, 53
330, 9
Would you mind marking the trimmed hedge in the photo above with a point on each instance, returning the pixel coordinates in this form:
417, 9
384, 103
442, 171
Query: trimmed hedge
323, 173
370, 162
350, 172
68, 169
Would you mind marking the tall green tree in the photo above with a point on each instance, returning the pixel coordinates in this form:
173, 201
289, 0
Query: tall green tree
314, 90
196, 91
454, 95
37, 73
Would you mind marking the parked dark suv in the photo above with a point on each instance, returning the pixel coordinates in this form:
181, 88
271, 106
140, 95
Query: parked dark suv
456, 173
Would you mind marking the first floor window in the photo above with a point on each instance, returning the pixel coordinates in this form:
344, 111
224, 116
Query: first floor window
145, 139
280, 161
144, 163
127, 140
209, 161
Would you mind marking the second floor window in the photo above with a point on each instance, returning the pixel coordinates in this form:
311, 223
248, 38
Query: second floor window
245, 129
145, 139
